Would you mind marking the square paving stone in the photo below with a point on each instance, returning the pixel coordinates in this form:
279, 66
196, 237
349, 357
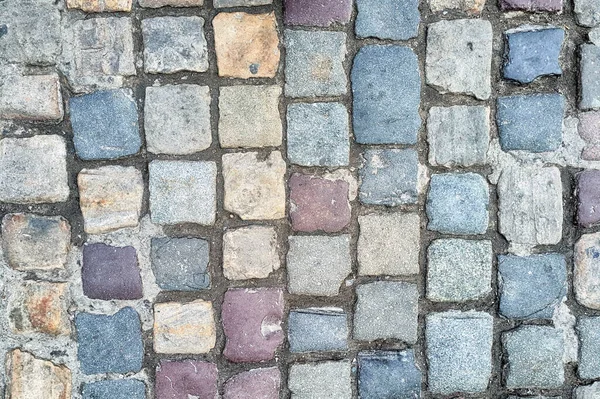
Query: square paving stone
587, 12
318, 330
30, 97
380, 115
388, 244
186, 379
588, 194
177, 119
588, 329
389, 177
184, 328
459, 270
247, 45
318, 134
589, 131
590, 70
459, 57
387, 19
174, 44
110, 344
314, 63
332, 380
317, 265
459, 351
33, 170
183, 192
535, 357
256, 383
115, 389
180, 264
458, 135
249, 116
530, 122
587, 392
386, 310
101, 5
252, 321
322, 13
250, 252
388, 374
30, 377
532, 286
458, 203
105, 125
110, 272
587, 270
532, 5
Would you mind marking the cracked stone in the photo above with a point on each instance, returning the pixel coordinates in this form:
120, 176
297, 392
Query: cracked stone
100, 5
186, 380
589, 131
257, 383
115, 389
590, 71
250, 252
588, 329
318, 330
29, 377
32, 97
586, 278
180, 264
388, 374
387, 19
321, 380
321, 13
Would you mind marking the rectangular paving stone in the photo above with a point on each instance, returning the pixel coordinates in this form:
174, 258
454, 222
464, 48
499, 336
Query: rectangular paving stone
388, 374
180, 264
29, 377
589, 72
32, 97
170, 3
100, 5
240, 3
589, 131
256, 383
317, 330
471, 7
587, 270
532, 5
588, 329
387, 19
330, 380
587, 12
186, 379
588, 195
321, 13
115, 389
250, 252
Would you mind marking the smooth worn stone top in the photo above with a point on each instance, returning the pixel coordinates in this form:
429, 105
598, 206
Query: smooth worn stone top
590, 70
469, 6
588, 194
332, 380
587, 12
180, 264
257, 383
115, 389
586, 277
186, 379
532, 5
30, 97
317, 12
388, 374
170, 3
250, 252
588, 329
28, 377
589, 130
388, 19
100, 5
318, 330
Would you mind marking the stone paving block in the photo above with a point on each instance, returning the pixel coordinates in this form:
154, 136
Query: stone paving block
250, 252
459, 270
254, 185
532, 5
41, 307
323, 13
319, 203
535, 357
314, 63
587, 392
388, 244
109, 344
170, 3
256, 383
252, 321
589, 131
105, 125
386, 310
110, 198
318, 134
588, 195
101, 5
115, 389
174, 44
533, 51
389, 177
459, 351
246, 45
186, 328
180, 264
458, 203
177, 119
587, 12
32, 242
332, 380
240, 3
186, 379
29, 377
387, 19
183, 192
388, 374
249, 116
586, 276
33, 170
530, 122
459, 56
531, 287
380, 115
317, 265
318, 330
590, 70
32, 97
588, 329
472, 7
110, 273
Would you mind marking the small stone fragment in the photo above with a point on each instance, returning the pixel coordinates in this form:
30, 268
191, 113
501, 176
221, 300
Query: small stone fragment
250, 252
31, 97
387, 374
472, 7
186, 379
387, 19
317, 330
331, 380
115, 389
590, 70
41, 307
588, 194
170, 3
532, 5
100, 5
587, 12
180, 264
254, 384
589, 131
321, 13
586, 276
587, 391
28, 377
588, 329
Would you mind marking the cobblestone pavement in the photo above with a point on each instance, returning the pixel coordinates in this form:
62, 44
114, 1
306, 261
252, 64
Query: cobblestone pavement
315, 199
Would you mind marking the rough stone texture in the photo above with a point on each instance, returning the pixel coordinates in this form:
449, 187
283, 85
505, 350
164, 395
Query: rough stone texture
249, 116
588, 391
459, 351
240, 3
115, 389
32, 97
317, 330
387, 19
535, 357
589, 131
100, 5
252, 321
532, 5
246, 45
386, 310
587, 12
388, 244
314, 63
588, 329
322, 13
32, 242
589, 75
171, 3
186, 379
28, 377
177, 119
387, 374
318, 134
380, 115
459, 270
317, 265
180, 264
473, 7
254, 185
110, 198
184, 327
332, 380
183, 192
254, 384
250, 252
586, 276
33, 170
588, 194
459, 56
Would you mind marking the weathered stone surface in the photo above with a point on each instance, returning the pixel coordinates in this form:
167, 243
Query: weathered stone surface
317, 12
468, 6
250, 252
180, 264
387, 374
100, 5
177, 119
589, 131
590, 70
588, 195
28, 377
184, 327
170, 3
388, 244
459, 57
254, 188
249, 116
186, 379
321, 380
254, 384
387, 19
594, 36
41, 307
588, 391
317, 330
110, 198
586, 276
240, 3
33, 170
115, 389
459, 351
588, 329
246, 45
32, 242
587, 12
32, 97
532, 5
